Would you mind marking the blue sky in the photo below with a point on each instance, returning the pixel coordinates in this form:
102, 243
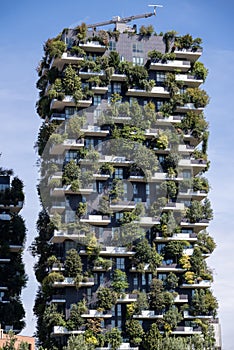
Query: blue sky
25, 25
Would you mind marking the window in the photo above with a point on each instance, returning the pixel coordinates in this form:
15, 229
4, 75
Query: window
118, 216
3, 187
135, 281
160, 77
160, 247
97, 100
70, 155
117, 88
70, 216
147, 189
143, 280
118, 173
150, 278
120, 263
69, 111
159, 104
137, 47
89, 143
186, 174
135, 189
119, 311
137, 200
112, 45
139, 61
162, 276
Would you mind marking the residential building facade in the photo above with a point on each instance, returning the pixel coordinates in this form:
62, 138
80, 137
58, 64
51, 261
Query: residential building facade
123, 239
12, 276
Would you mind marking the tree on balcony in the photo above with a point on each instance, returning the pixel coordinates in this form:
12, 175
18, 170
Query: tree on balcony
81, 32
76, 342
75, 320
174, 250
204, 303
54, 48
74, 126
199, 71
106, 298
72, 265
196, 96
194, 124
205, 242
114, 338
145, 254
171, 282
71, 175
171, 319
159, 299
134, 331
119, 281
152, 338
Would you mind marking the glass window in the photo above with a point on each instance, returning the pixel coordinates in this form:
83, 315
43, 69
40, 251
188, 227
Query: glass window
70, 155
118, 173
139, 61
162, 276
143, 280
112, 45
119, 311
135, 281
135, 189
137, 47
117, 88
159, 104
97, 100
89, 143
186, 174
120, 263
160, 77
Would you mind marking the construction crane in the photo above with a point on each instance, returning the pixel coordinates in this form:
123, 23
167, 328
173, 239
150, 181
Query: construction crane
118, 19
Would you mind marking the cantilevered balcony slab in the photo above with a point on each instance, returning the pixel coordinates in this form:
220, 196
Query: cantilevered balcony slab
181, 299
60, 237
94, 130
68, 144
148, 314
189, 80
190, 237
173, 206
189, 107
61, 331
13, 208
148, 221
96, 220
122, 205
157, 91
58, 207
116, 251
188, 54
197, 165
127, 298
170, 268
198, 195
187, 316
118, 77
186, 331
58, 299
100, 90
69, 101
93, 46
123, 346
183, 66
70, 282
196, 226
65, 59
197, 284
94, 313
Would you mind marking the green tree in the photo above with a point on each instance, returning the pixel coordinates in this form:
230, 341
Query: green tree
75, 320
72, 265
76, 342
134, 331
114, 338
119, 282
106, 298
152, 339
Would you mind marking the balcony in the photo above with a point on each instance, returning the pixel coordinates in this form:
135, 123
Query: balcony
148, 221
196, 226
123, 346
187, 316
65, 59
68, 144
151, 132
186, 149
197, 165
198, 195
189, 80
186, 331
173, 206
103, 177
86, 74
15, 248
183, 66
116, 251
57, 207
170, 268
4, 261
171, 119
148, 314
188, 107
93, 46
101, 90
13, 208
118, 77
57, 116
188, 54
190, 237
96, 220
197, 284
60, 237
61, 331
95, 313
58, 299
69, 282
181, 298
93, 130
122, 205
127, 298
121, 161
157, 91
69, 101
136, 178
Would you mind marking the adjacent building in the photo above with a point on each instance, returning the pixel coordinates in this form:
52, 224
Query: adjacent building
12, 238
123, 240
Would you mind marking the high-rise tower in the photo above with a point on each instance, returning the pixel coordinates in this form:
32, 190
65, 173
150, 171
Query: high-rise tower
12, 238
122, 242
